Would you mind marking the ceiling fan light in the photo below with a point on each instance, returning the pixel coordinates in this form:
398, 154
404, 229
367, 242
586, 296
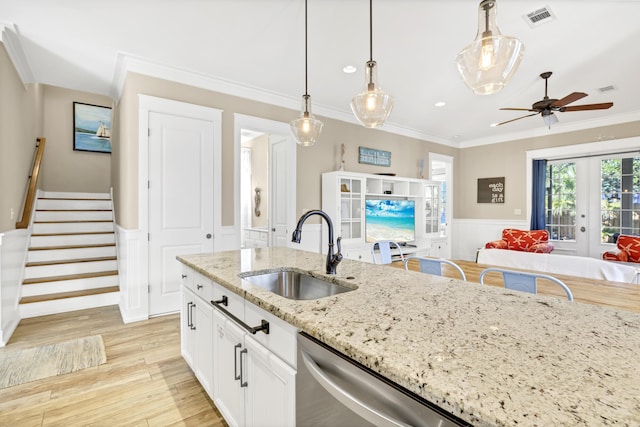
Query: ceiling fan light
306, 128
488, 63
372, 106
549, 119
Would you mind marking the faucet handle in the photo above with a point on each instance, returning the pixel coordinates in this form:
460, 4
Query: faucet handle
338, 240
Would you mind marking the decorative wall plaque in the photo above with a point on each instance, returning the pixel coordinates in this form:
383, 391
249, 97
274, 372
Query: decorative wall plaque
491, 190
370, 156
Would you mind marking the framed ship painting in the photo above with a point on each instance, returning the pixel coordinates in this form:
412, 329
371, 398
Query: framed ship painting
91, 128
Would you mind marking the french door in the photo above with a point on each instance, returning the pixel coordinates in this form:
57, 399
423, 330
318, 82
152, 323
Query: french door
591, 200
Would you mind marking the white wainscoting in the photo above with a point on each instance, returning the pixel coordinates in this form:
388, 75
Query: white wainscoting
134, 293
13, 255
134, 286
469, 235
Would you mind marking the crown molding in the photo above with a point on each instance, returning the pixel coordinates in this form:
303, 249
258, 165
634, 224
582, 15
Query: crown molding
556, 129
11, 39
127, 62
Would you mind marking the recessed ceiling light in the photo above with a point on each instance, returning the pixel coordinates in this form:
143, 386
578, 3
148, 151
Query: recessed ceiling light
349, 69
440, 104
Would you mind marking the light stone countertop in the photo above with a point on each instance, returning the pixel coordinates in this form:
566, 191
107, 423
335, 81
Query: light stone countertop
491, 356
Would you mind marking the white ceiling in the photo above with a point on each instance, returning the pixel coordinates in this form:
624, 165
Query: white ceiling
255, 48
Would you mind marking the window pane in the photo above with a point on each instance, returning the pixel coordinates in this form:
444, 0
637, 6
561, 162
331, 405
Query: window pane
560, 201
620, 197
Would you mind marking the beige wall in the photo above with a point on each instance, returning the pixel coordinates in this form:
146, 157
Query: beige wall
311, 161
20, 125
63, 168
508, 159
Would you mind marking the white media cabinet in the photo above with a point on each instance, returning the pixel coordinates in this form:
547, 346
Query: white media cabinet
343, 199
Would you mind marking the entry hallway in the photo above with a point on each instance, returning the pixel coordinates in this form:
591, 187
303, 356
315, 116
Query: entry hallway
145, 381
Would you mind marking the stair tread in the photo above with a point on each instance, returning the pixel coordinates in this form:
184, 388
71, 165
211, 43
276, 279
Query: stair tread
72, 234
70, 261
69, 277
74, 198
72, 221
74, 210
63, 247
71, 294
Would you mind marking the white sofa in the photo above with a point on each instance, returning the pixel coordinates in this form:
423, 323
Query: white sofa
562, 264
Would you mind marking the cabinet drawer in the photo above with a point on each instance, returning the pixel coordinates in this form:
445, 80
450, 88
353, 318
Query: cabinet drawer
281, 338
235, 303
201, 286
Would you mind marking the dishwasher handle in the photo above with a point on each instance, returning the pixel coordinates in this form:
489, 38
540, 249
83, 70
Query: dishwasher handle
350, 401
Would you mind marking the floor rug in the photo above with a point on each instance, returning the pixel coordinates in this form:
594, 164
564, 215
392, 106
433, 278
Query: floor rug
19, 367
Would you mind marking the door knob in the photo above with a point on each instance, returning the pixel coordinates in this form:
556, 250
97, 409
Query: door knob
583, 229
273, 229
208, 235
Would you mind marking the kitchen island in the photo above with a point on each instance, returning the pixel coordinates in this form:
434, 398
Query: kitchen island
490, 356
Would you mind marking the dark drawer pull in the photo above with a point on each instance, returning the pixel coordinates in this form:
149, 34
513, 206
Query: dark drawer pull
264, 325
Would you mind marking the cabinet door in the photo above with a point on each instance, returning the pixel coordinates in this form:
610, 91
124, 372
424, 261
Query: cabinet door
187, 333
228, 395
270, 388
204, 344
350, 208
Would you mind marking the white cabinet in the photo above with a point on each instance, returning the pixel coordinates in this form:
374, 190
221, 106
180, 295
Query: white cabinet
250, 377
253, 386
344, 199
196, 322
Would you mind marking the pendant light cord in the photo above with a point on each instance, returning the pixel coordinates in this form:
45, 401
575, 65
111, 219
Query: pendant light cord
306, 82
370, 30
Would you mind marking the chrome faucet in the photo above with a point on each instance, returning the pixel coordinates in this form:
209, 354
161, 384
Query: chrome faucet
332, 260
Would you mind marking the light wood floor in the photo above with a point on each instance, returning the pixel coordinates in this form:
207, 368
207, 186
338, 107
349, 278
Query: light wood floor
145, 381
623, 296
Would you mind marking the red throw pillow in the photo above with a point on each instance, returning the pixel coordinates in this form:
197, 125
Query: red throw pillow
630, 245
522, 240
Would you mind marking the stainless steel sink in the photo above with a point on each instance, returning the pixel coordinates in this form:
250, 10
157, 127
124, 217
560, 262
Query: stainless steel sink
295, 285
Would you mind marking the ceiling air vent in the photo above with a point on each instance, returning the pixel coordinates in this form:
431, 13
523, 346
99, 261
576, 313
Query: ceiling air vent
539, 17
606, 88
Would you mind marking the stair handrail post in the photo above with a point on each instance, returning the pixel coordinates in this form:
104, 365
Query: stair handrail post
33, 184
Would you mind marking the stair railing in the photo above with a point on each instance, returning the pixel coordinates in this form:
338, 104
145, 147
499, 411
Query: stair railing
33, 183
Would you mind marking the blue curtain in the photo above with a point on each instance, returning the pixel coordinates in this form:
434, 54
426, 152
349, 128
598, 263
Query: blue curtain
538, 195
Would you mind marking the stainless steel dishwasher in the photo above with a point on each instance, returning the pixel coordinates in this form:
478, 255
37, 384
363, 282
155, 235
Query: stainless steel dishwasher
332, 390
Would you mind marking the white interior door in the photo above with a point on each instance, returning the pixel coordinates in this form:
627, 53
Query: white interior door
279, 191
180, 201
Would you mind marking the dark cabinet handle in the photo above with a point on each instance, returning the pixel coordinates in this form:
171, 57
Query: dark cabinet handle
199, 287
184, 276
242, 382
193, 326
264, 325
235, 363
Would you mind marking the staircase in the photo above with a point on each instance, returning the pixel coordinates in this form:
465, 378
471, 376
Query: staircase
71, 262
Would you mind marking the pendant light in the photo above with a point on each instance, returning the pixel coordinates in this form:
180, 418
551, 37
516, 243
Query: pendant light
371, 106
489, 62
306, 128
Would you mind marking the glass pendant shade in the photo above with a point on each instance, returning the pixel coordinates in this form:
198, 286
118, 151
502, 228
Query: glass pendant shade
489, 62
372, 106
306, 128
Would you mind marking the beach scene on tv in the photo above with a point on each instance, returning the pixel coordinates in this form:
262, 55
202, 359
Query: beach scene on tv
390, 220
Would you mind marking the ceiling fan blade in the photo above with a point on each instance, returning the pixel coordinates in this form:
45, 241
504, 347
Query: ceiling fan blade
513, 120
517, 109
573, 97
585, 107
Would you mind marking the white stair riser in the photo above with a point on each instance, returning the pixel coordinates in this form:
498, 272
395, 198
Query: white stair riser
66, 195
66, 254
79, 239
66, 269
71, 205
69, 285
73, 216
67, 304
71, 227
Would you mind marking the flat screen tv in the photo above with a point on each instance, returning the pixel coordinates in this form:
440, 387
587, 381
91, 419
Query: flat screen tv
390, 220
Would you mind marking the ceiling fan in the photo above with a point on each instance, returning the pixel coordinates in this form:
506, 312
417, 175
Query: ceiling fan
547, 106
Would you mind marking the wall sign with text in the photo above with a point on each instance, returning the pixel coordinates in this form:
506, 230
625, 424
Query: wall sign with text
491, 190
369, 156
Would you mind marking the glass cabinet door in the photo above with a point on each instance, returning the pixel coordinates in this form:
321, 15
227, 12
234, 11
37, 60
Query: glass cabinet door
351, 208
432, 208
